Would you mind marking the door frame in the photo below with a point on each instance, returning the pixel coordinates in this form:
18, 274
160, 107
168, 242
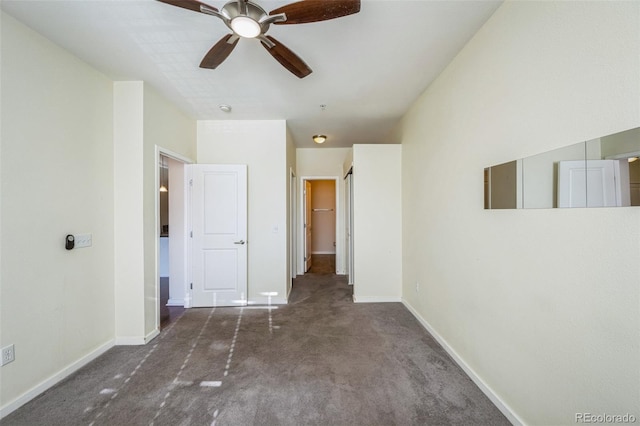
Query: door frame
348, 179
184, 160
339, 222
293, 218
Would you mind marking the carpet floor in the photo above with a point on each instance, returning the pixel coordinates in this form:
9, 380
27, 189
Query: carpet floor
320, 360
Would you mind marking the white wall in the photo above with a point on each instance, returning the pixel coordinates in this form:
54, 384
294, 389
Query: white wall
262, 146
540, 305
57, 306
377, 223
323, 162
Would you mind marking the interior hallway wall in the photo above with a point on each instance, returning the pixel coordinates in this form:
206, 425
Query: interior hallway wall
541, 305
56, 306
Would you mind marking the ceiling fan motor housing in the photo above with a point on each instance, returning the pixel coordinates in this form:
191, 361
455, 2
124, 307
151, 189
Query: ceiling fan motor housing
235, 9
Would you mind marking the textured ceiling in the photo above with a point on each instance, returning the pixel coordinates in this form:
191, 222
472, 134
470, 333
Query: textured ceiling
368, 67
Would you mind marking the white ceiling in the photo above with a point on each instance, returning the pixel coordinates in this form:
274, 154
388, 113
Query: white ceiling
368, 68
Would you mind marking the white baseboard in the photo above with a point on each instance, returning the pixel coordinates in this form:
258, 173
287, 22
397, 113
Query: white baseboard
373, 299
130, 341
149, 337
264, 301
136, 340
323, 252
175, 302
53, 380
497, 401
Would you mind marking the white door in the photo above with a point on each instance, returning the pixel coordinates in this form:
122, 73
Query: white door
307, 225
349, 227
594, 183
219, 222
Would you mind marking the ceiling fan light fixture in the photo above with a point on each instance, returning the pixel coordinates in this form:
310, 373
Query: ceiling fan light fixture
319, 138
245, 27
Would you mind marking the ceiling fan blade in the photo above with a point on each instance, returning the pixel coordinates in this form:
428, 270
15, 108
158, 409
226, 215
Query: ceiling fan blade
189, 4
306, 11
286, 57
219, 51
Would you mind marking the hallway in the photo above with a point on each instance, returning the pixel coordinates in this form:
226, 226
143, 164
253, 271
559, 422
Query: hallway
318, 360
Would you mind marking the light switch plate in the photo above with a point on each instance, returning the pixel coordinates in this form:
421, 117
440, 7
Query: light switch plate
83, 240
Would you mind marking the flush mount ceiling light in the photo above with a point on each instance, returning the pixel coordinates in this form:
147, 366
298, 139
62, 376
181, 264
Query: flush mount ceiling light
319, 138
632, 159
245, 27
225, 108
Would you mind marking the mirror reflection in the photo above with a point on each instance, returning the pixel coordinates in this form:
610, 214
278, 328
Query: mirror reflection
603, 172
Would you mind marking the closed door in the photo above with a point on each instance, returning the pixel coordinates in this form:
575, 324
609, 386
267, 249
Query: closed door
591, 183
307, 225
219, 222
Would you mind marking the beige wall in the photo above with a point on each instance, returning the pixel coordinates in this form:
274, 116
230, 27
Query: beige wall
143, 122
128, 136
540, 306
56, 306
165, 126
377, 223
262, 146
323, 162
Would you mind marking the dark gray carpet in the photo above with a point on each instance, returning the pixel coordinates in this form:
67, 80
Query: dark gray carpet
320, 360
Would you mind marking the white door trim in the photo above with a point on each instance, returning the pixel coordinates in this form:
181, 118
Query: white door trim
158, 150
339, 222
293, 202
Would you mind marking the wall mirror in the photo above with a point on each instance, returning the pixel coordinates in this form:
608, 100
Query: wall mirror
602, 172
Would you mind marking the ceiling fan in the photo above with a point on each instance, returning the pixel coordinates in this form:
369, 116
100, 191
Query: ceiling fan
247, 19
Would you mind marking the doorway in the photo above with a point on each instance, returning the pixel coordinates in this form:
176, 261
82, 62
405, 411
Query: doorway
320, 207
171, 231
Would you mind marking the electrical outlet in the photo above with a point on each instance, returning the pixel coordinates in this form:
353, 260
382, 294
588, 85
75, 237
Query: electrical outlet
83, 240
8, 354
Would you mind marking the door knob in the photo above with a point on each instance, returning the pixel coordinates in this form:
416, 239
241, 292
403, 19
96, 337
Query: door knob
241, 242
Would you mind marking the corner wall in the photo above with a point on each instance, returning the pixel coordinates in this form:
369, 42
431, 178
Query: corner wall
377, 223
165, 126
541, 305
56, 306
143, 121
